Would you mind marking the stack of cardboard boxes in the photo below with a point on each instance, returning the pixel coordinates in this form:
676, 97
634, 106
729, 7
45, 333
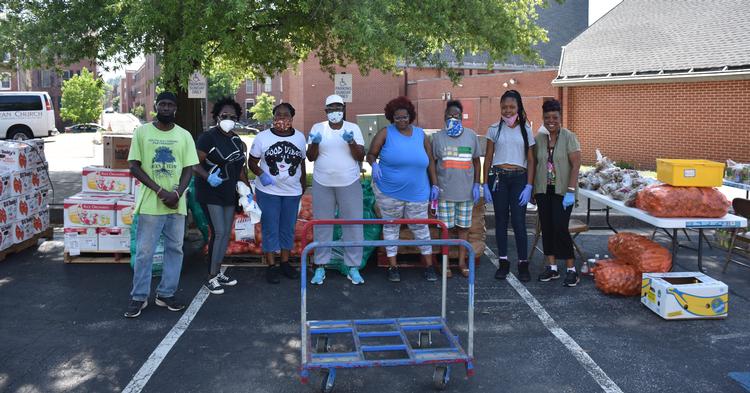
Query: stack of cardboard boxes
24, 191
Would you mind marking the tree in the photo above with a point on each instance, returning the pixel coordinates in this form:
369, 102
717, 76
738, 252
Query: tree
263, 37
139, 111
116, 103
263, 109
82, 98
222, 82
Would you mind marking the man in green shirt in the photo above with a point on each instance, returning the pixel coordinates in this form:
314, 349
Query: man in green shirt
161, 156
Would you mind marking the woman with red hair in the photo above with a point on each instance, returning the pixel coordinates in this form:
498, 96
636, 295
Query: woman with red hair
404, 179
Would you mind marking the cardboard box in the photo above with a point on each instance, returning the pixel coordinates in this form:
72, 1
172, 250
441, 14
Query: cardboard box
685, 295
690, 173
40, 180
21, 183
6, 184
99, 179
86, 238
135, 186
87, 210
23, 230
116, 149
20, 156
6, 236
31, 203
125, 207
8, 210
114, 239
41, 221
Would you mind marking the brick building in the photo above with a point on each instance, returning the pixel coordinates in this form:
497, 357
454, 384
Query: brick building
666, 79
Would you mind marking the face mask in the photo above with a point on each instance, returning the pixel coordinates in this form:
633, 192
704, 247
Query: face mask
454, 127
335, 117
282, 124
510, 120
227, 125
165, 118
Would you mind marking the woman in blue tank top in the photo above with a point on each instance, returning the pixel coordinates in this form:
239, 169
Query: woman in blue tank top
402, 171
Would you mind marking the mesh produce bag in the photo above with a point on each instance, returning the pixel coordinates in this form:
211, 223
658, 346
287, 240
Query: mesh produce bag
639, 251
615, 277
667, 201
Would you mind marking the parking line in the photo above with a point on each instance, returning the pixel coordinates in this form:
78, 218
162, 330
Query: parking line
601, 378
140, 379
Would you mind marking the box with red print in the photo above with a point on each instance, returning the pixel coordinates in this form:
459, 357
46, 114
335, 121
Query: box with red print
19, 156
6, 184
8, 210
21, 183
81, 239
40, 180
114, 239
99, 179
7, 237
30, 204
23, 229
89, 210
41, 221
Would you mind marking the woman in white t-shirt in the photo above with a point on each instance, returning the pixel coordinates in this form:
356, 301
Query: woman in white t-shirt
509, 178
337, 147
277, 158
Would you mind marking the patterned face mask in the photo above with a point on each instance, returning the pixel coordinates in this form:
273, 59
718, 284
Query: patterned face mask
454, 127
282, 124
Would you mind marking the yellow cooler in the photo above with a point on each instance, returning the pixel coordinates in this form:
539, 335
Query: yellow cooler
685, 295
690, 173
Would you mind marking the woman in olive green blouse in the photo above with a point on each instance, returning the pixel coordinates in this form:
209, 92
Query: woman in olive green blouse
558, 159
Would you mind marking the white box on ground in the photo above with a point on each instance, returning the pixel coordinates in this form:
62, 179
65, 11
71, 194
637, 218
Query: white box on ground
19, 156
685, 295
81, 239
87, 210
100, 179
114, 239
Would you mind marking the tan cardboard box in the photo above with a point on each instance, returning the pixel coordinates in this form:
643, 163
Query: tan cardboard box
116, 149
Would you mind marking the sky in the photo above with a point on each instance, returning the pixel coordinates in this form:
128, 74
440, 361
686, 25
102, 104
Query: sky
597, 9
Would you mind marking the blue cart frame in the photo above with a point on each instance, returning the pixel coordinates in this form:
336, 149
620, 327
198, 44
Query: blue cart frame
423, 355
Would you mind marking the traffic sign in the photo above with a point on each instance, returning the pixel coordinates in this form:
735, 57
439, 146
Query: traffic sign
197, 86
343, 86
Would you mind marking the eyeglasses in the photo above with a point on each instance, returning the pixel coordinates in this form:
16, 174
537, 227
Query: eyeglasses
227, 116
400, 118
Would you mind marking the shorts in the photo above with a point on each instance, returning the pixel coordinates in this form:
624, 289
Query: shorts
455, 213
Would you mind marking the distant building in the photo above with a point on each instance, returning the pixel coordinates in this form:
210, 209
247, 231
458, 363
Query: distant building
661, 79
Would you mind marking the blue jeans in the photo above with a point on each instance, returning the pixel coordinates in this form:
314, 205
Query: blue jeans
150, 228
277, 221
505, 200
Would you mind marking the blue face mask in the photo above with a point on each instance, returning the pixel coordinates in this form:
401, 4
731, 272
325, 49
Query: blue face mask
454, 127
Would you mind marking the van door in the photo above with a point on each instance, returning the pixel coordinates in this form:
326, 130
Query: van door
49, 121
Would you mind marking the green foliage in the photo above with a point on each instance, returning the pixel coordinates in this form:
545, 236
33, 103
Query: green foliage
82, 98
263, 109
263, 37
222, 82
116, 103
625, 165
139, 111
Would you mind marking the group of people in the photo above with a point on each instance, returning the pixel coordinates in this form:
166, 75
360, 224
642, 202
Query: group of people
410, 172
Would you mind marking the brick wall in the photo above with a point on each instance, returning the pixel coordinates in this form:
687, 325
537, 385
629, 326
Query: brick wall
638, 123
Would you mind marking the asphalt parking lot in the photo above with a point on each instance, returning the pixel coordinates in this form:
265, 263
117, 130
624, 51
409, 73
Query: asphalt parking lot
63, 331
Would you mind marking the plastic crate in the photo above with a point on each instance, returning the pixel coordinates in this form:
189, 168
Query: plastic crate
690, 173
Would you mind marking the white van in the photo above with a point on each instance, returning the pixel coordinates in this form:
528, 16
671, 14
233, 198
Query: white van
26, 114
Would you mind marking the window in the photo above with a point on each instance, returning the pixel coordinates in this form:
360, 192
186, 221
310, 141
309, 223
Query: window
45, 78
249, 86
4, 80
6, 57
248, 105
268, 85
20, 103
67, 74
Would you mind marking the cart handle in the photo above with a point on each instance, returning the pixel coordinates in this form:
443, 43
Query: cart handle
378, 221
378, 243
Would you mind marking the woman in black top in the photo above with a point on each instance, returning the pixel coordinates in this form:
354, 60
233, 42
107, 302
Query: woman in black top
222, 158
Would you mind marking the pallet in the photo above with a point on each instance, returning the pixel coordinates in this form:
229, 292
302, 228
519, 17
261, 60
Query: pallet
28, 243
97, 257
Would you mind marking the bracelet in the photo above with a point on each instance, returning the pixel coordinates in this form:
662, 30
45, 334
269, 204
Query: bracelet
178, 194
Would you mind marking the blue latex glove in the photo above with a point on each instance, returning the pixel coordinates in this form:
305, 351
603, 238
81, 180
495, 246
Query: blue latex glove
214, 180
376, 174
569, 199
525, 196
434, 193
475, 193
266, 179
487, 193
348, 136
316, 138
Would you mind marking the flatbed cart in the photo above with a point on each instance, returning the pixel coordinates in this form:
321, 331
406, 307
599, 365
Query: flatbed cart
423, 354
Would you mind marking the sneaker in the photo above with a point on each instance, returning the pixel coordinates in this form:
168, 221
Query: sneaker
571, 279
355, 277
429, 274
272, 274
135, 307
319, 276
549, 274
503, 270
170, 303
393, 275
523, 272
213, 286
289, 271
226, 281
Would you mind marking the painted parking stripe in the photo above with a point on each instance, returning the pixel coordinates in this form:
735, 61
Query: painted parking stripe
140, 379
601, 378
743, 378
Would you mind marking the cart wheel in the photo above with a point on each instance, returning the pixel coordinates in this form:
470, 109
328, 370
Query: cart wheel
441, 376
425, 339
321, 344
329, 378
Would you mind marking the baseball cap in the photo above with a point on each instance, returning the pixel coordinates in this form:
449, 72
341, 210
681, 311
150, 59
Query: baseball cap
334, 99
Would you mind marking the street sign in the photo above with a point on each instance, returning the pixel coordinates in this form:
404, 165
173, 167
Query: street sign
197, 86
343, 86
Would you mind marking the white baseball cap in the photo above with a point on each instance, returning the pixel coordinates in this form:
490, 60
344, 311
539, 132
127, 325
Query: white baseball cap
334, 99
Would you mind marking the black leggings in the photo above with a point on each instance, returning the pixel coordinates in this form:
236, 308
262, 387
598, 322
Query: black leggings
554, 221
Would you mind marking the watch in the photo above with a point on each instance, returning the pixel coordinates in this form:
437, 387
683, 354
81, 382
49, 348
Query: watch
571, 189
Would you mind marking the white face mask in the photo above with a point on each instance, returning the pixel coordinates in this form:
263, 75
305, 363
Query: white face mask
335, 117
227, 125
